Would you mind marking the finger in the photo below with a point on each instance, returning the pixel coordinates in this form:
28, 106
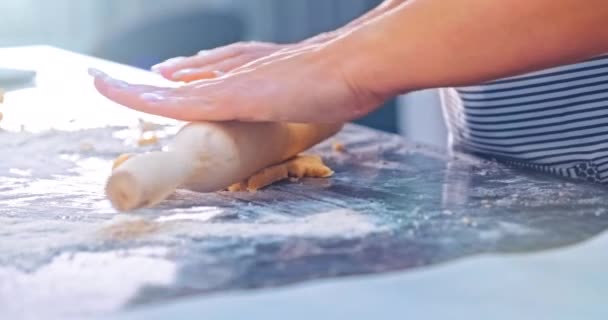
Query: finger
176, 103
202, 59
190, 75
213, 70
223, 99
133, 96
284, 53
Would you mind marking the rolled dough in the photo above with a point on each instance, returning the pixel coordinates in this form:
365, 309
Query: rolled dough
302, 166
211, 156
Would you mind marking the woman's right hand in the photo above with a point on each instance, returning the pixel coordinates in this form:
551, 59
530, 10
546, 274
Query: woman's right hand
211, 63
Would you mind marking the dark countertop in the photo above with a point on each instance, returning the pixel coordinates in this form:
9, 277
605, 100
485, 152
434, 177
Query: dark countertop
391, 207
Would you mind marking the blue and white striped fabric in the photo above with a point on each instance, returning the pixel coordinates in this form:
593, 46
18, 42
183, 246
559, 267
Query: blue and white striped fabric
555, 120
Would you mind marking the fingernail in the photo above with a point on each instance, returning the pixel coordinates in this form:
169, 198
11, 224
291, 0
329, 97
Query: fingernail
96, 73
152, 97
156, 68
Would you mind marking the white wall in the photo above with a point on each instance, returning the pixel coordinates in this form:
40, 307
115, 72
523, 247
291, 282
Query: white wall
63, 23
77, 24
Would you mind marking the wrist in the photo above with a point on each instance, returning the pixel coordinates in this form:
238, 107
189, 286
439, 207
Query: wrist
339, 65
322, 38
365, 61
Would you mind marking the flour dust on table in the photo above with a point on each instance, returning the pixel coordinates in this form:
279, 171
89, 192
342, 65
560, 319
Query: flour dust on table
389, 206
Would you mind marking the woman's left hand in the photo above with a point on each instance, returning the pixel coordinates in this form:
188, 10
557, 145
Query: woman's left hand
300, 85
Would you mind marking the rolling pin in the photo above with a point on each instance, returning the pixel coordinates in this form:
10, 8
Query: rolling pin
208, 157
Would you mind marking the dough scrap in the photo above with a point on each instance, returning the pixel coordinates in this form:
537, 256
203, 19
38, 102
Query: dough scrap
147, 140
339, 147
146, 126
302, 166
262, 179
311, 166
130, 229
86, 146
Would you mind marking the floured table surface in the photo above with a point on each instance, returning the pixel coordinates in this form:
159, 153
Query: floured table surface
390, 206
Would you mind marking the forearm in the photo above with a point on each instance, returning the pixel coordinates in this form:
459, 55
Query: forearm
438, 43
378, 11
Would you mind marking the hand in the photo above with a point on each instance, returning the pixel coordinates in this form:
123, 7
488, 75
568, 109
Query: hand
211, 63
299, 85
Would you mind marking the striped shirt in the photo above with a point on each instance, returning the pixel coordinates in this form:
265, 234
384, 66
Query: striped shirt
555, 120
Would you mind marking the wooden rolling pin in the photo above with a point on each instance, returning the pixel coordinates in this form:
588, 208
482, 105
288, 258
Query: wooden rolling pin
208, 157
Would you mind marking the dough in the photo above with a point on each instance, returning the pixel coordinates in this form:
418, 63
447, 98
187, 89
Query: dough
339, 147
147, 140
130, 229
308, 166
145, 126
211, 156
302, 166
86, 146
261, 179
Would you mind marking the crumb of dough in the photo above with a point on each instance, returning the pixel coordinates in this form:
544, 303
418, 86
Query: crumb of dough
147, 140
1, 116
121, 159
86, 146
131, 229
145, 126
302, 166
267, 177
311, 166
238, 187
339, 147
469, 222
261, 179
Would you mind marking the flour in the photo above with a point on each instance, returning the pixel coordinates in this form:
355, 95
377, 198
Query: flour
54, 152
64, 288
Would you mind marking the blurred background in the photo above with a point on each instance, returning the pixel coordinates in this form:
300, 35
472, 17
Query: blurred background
144, 32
